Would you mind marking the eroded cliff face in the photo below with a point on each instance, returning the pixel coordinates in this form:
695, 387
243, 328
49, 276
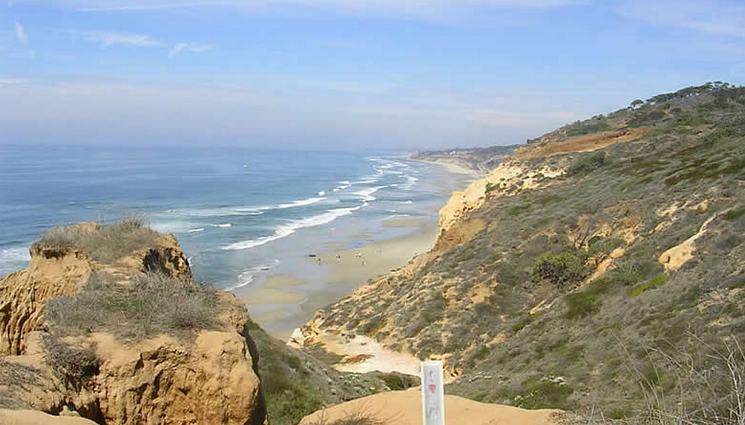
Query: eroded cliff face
194, 377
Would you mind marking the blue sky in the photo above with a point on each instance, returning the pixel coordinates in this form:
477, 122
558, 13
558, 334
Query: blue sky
346, 74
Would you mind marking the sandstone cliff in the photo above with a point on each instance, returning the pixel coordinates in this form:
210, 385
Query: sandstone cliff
106, 324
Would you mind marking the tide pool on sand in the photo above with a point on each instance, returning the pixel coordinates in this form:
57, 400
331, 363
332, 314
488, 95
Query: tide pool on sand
433, 394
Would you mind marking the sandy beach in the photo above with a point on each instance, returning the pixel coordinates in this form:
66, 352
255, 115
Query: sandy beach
329, 263
453, 168
286, 300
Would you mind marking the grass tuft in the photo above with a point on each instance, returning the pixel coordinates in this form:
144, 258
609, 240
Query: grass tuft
103, 243
150, 305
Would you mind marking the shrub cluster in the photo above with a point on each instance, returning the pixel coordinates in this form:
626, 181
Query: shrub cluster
76, 365
103, 243
587, 163
150, 305
561, 269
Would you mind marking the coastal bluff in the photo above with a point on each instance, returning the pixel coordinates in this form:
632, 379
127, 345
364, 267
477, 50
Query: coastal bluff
106, 326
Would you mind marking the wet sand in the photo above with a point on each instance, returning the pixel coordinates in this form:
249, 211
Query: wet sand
284, 301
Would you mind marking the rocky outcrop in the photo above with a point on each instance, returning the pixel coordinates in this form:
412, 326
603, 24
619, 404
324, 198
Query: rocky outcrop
51, 273
206, 376
163, 381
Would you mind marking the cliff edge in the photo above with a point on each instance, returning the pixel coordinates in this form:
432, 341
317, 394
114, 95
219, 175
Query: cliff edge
107, 325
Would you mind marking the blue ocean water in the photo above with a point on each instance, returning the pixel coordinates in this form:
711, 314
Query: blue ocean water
236, 211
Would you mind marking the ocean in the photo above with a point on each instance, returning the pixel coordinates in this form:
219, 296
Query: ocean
239, 213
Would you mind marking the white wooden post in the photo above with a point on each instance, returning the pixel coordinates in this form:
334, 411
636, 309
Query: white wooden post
433, 393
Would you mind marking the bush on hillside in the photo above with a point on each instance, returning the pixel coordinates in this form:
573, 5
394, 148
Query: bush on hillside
587, 163
103, 243
75, 365
561, 269
150, 305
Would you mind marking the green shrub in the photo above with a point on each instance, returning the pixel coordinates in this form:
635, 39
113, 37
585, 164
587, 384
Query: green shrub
288, 402
560, 269
587, 163
734, 214
150, 305
650, 284
595, 125
102, 243
544, 393
520, 324
626, 275
586, 302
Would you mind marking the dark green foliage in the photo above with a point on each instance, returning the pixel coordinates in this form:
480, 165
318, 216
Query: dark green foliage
561, 269
523, 322
585, 302
734, 214
150, 305
650, 284
646, 116
595, 125
587, 163
288, 402
397, 381
543, 393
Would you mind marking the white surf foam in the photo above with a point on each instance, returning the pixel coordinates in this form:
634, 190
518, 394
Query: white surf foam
241, 210
13, 259
344, 184
293, 226
366, 194
248, 276
301, 203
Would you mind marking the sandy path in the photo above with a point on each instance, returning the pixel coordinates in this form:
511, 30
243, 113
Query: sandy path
405, 408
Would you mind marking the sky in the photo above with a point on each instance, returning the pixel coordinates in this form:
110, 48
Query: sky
400, 74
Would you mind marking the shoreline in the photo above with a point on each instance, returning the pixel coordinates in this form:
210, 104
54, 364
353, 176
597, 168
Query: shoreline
343, 271
452, 167
288, 297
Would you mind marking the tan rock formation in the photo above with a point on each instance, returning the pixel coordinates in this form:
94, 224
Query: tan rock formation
208, 378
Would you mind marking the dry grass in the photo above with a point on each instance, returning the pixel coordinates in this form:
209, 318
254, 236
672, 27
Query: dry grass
361, 417
150, 305
103, 243
703, 391
75, 365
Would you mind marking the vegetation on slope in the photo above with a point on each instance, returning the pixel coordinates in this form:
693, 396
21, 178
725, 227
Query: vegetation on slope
575, 288
103, 243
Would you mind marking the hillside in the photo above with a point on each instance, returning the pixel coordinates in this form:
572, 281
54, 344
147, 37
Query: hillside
599, 267
480, 160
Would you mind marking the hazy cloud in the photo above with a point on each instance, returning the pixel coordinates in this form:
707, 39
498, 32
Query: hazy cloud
406, 7
7, 82
499, 118
108, 39
21, 34
716, 17
188, 47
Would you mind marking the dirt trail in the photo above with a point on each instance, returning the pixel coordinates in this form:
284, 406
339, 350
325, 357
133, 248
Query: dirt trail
405, 408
